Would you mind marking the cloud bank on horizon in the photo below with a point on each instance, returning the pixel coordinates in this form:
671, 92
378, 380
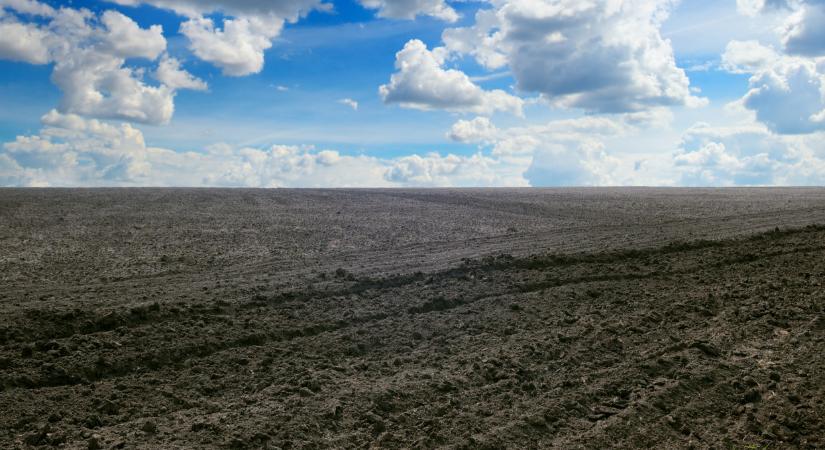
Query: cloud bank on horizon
379, 93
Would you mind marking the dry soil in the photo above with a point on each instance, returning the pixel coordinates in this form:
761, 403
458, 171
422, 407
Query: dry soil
578, 318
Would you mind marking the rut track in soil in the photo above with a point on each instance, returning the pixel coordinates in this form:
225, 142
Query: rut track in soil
605, 363
360, 285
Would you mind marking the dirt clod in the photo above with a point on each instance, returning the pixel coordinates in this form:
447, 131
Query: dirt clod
94, 443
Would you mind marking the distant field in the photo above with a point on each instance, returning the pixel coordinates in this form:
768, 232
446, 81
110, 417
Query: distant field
567, 318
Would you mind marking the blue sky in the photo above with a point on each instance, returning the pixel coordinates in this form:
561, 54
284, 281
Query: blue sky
411, 93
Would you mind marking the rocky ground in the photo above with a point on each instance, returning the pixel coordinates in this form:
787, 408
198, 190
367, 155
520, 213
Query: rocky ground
461, 319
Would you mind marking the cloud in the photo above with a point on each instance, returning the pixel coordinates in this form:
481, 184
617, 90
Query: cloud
748, 155
349, 102
753, 7
11, 174
575, 152
171, 75
748, 57
248, 27
804, 31
90, 67
302, 166
564, 153
421, 82
479, 129
90, 55
559, 153
286, 9
482, 130
94, 79
30, 7
23, 42
124, 38
787, 87
453, 170
409, 9
71, 150
74, 151
285, 166
788, 98
483, 40
587, 164
786, 93
238, 48
600, 56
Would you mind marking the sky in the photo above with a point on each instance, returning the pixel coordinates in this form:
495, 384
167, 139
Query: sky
412, 93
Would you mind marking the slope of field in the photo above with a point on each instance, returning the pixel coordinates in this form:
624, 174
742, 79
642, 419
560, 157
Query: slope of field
468, 319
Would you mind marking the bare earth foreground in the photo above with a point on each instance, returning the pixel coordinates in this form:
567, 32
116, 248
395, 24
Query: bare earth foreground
577, 318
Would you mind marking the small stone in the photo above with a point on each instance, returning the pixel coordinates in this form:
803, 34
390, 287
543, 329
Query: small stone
149, 427
775, 376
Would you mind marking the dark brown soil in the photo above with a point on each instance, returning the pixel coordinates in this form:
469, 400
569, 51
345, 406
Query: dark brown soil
465, 319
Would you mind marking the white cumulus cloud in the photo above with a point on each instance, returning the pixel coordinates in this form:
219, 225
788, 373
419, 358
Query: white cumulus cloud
603, 56
286, 9
804, 31
90, 55
23, 42
479, 129
238, 48
30, 7
786, 93
748, 57
125, 39
753, 7
71, 150
248, 27
173, 76
422, 82
409, 9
